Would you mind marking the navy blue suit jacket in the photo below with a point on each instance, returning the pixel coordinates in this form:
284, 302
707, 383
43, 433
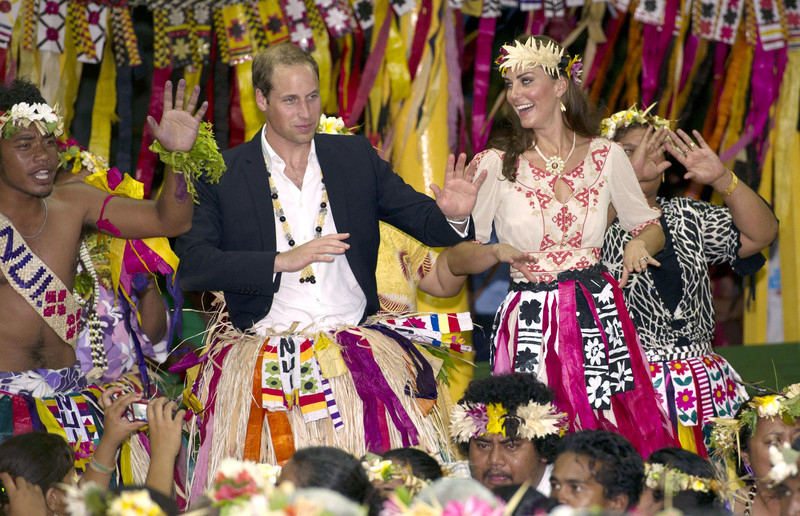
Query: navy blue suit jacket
232, 243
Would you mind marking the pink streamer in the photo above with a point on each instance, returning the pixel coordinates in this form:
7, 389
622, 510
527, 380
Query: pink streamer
573, 384
483, 67
146, 166
655, 41
370, 72
502, 359
651, 426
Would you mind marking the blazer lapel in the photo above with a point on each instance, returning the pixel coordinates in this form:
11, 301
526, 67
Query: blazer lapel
335, 184
255, 173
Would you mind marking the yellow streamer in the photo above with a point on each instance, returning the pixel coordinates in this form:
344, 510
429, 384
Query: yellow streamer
253, 117
71, 70
105, 102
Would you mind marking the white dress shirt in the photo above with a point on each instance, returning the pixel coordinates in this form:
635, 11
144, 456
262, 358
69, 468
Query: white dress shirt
336, 298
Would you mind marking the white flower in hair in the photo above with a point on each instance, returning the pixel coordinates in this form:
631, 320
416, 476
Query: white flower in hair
22, 110
539, 420
770, 406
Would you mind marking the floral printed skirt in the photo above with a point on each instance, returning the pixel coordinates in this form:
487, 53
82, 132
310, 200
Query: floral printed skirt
576, 335
692, 390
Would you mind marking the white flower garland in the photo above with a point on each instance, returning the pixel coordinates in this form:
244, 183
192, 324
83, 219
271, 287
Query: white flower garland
22, 115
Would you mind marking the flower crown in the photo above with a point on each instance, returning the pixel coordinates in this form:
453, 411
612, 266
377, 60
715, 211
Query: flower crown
93, 500
333, 125
660, 477
531, 421
380, 470
784, 463
725, 434
533, 52
22, 115
621, 119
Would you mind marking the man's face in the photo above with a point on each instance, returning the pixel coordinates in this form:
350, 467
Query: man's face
789, 490
495, 460
293, 107
28, 162
573, 484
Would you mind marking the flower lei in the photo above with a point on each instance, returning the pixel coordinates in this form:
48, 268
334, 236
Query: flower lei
670, 480
472, 506
22, 115
73, 158
633, 115
784, 463
380, 470
533, 420
725, 434
204, 160
533, 52
92, 500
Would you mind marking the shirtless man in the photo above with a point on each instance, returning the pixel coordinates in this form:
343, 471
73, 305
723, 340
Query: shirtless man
51, 218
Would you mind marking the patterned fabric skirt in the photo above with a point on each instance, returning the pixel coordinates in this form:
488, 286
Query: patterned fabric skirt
576, 335
59, 401
693, 388
366, 388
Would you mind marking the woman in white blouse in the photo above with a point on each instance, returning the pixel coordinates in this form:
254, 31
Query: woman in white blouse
547, 194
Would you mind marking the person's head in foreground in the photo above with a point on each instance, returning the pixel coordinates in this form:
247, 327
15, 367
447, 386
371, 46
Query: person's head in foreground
743, 442
687, 479
420, 463
329, 468
508, 427
597, 468
784, 477
45, 460
450, 496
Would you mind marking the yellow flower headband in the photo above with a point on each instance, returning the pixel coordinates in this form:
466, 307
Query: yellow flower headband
530, 421
621, 119
22, 115
382, 470
533, 52
725, 434
670, 480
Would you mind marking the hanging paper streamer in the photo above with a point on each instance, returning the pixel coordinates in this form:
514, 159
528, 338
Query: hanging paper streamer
201, 34
793, 24
240, 46
705, 13
402, 7
771, 24
258, 37
273, 22
78, 23
179, 38
651, 11
338, 16
29, 21
52, 25
299, 29
8, 18
730, 13
126, 46
96, 21
364, 11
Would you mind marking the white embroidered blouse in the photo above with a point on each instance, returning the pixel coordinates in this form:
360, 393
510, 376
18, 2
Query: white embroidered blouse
564, 236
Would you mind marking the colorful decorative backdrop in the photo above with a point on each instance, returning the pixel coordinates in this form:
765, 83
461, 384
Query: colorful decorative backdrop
417, 75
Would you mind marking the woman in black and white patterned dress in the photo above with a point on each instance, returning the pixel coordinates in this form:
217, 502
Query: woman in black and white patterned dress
672, 305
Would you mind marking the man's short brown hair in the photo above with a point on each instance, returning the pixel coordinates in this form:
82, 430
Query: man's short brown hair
282, 54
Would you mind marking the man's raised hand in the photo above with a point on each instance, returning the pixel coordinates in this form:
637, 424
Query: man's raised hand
460, 191
178, 128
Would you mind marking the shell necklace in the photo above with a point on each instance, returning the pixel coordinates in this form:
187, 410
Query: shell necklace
554, 164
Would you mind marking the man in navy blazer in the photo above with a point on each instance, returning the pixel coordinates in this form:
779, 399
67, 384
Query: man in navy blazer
236, 244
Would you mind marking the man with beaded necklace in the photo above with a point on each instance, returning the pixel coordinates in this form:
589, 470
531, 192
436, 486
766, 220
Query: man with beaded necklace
291, 237
41, 226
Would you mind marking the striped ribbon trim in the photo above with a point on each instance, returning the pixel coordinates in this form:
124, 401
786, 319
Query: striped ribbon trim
222, 37
7, 20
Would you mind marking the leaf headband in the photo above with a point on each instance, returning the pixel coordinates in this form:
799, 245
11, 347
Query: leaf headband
533, 52
530, 421
22, 115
